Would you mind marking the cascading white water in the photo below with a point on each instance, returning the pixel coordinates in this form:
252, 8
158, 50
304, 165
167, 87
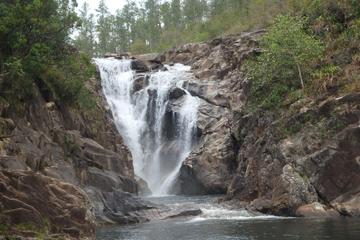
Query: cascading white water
142, 118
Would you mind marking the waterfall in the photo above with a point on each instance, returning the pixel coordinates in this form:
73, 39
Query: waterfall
159, 131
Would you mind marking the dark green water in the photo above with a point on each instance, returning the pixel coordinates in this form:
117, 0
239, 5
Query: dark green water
218, 223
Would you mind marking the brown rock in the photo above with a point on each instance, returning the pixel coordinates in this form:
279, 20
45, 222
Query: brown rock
348, 204
316, 210
30, 198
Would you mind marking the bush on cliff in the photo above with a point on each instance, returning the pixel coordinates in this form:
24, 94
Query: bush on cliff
337, 23
34, 49
289, 58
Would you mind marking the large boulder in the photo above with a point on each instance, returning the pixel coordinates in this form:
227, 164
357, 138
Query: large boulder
287, 167
316, 210
45, 204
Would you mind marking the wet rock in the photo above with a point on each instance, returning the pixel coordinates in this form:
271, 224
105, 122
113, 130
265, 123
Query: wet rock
117, 55
123, 208
143, 188
348, 204
221, 86
208, 168
262, 205
140, 82
139, 66
187, 213
300, 169
316, 210
176, 93
72, 146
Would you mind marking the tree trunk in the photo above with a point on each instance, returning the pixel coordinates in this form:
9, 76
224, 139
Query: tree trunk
300, 75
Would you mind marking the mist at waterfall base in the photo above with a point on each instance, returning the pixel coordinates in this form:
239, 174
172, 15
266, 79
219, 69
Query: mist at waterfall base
218, 223
158, 132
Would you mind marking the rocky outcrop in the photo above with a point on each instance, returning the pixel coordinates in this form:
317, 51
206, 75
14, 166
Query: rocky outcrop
316, 210
285, 162
32, 204
61, 144
220, 86
288, 165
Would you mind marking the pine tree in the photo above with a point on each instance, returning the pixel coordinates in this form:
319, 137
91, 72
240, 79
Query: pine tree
85, 41
103, 28
176, 14
153, 22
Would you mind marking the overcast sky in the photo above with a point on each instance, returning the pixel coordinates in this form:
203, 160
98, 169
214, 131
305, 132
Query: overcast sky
113, 5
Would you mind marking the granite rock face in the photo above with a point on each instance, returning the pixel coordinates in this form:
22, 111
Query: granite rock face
58, 144
282, 162
221, 88
44, 203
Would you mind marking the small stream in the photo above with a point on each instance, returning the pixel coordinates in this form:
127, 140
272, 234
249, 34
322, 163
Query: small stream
218, 223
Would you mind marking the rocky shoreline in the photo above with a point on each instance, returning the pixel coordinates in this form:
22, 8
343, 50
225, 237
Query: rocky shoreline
70, 171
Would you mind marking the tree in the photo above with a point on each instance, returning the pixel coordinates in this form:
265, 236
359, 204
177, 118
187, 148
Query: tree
166, 16
153, 27
287, 61
85, 41
176, 13
194, 11
131, 16
35, 50
121, 35
103, 28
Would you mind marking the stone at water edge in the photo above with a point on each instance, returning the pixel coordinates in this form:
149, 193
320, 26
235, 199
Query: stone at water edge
316, 210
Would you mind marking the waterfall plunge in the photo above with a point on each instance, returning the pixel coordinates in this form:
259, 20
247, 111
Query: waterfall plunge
140, 119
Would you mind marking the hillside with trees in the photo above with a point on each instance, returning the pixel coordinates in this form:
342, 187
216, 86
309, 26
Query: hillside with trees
154, 26
322, 36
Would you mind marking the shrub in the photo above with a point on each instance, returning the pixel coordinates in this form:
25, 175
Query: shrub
287, 61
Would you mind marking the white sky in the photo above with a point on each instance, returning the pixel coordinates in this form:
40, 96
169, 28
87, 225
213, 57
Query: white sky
112, 5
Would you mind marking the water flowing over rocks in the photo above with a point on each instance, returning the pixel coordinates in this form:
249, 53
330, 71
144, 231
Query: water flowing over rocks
154, 114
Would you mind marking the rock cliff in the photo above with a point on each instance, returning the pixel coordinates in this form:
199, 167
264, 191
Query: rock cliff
64, 167
300, 160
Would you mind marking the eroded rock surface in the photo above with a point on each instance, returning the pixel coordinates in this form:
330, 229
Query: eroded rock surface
221, 88
59, 145
281, 162
45, 204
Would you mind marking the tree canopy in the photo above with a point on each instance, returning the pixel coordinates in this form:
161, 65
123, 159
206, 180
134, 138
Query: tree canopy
35, 49
153, 25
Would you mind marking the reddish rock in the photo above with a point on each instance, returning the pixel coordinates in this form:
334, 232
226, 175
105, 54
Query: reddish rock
316, 210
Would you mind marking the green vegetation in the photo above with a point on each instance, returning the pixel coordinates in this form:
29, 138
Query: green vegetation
35, 50
286, 63
154, 25
312, 46
38, 232
312, 52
